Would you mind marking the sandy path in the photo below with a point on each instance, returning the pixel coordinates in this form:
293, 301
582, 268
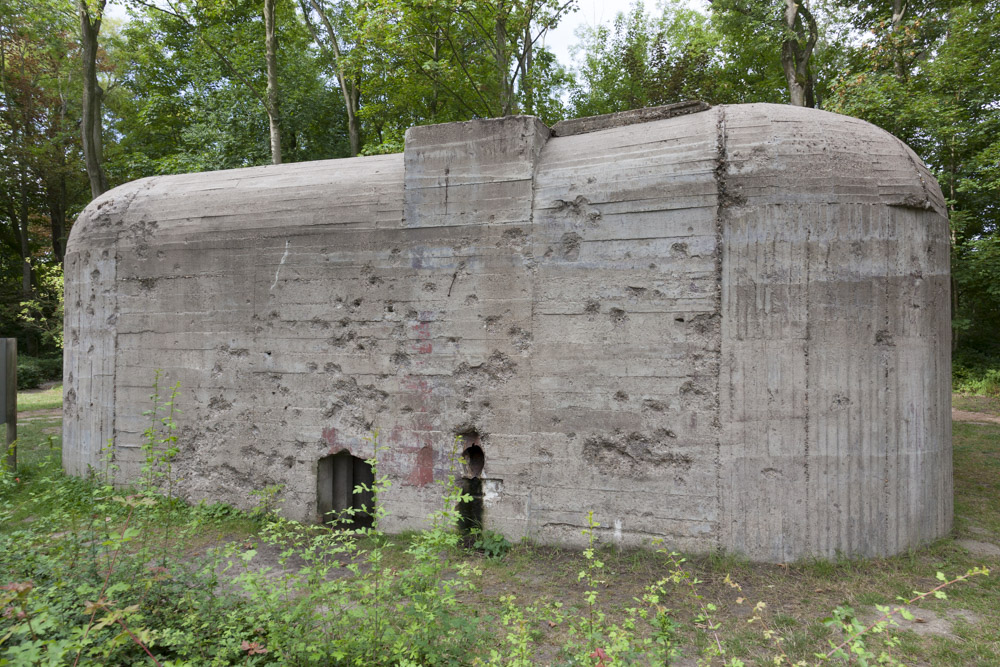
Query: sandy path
981, 417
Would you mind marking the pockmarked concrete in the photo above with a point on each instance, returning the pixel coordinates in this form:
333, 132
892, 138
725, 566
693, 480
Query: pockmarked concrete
727, 328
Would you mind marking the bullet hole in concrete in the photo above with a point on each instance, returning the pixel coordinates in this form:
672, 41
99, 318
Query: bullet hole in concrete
679, 319
593, 306
884, 337
337, 503
621, 396
389, 308
617, 315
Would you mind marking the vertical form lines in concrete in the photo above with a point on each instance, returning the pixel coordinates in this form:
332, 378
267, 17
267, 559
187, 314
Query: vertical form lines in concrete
720, 178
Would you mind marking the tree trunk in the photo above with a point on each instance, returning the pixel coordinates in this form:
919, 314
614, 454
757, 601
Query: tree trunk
56, 196
898, 9
796, 50
350, 92
527, 85
353, 125
24, 247
503, 64
271, 55
92, 124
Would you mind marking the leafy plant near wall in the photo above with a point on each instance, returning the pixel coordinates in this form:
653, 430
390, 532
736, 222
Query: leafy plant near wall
103, 575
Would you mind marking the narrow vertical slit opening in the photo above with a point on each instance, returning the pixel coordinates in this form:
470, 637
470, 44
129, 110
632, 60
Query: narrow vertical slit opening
470, 514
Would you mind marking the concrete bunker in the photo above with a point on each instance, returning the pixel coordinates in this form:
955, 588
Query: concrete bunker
727, 327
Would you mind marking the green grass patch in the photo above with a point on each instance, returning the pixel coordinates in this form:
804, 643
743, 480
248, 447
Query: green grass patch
40, 399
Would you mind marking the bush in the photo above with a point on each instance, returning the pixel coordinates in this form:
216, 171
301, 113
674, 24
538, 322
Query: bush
33, 371
976, 372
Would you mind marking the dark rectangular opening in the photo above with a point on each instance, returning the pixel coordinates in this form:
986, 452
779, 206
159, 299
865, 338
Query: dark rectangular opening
337, 503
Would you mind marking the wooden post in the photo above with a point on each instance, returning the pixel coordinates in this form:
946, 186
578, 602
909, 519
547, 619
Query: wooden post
8, 398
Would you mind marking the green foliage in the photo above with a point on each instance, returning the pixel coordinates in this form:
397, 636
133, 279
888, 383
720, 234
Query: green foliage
933, 79
33, 371
490, 543
975, 372
642, 60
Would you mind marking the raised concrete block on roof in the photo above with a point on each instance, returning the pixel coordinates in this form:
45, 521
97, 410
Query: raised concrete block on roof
727, 327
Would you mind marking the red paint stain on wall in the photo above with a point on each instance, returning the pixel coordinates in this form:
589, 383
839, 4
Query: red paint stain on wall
330, 436
423, 472
423, 331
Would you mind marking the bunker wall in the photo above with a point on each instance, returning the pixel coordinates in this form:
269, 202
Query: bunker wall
724, 328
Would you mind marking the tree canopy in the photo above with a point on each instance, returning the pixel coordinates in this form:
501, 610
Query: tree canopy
88, 101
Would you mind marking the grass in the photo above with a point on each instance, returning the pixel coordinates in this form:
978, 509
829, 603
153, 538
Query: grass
798, 596
38, 435
976, 403
39, 399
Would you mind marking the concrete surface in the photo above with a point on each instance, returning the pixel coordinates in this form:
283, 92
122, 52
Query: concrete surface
727, 328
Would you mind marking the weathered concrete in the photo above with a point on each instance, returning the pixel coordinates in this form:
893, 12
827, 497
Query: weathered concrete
727, 328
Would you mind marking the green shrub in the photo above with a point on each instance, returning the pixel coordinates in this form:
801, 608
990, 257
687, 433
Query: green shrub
33, 371
976, 372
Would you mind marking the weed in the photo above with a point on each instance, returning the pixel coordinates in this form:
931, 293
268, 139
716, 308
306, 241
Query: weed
491, 544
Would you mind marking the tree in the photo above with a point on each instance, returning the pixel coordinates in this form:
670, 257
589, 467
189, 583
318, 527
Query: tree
179, 108
92, 125
42, 180
272, 99
788, 25
478, 56
348, 80
928, 73
209, 22
641, 60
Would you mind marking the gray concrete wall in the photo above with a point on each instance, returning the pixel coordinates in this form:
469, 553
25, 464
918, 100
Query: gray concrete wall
727, 328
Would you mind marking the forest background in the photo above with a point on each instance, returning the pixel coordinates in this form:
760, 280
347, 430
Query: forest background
91, 99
